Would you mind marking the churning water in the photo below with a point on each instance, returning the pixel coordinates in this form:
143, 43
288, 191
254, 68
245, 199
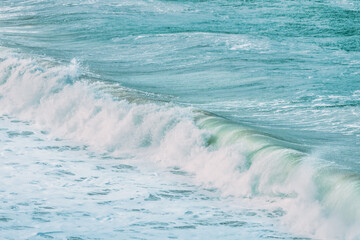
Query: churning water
154, 119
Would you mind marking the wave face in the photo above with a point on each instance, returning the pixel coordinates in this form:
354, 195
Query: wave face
239, 160
265, 111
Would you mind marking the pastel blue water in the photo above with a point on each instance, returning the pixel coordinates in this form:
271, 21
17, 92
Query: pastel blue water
287, 69
265, 63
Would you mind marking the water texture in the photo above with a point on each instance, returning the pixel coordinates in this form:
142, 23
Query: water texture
180, 119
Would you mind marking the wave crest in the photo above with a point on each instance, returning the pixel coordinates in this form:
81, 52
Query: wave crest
239, 160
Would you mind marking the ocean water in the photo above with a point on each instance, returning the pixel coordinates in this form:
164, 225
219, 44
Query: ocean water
155, 119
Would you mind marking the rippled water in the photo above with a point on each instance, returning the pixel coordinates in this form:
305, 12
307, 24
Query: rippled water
180, 119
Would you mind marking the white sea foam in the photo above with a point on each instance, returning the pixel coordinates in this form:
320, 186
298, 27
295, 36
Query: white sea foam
240, 162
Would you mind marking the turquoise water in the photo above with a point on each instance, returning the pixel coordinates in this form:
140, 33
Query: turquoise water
240, 117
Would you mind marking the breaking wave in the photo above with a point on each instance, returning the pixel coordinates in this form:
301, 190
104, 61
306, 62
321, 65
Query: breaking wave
315, 197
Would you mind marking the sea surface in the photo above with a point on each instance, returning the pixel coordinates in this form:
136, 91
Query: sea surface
192, 119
